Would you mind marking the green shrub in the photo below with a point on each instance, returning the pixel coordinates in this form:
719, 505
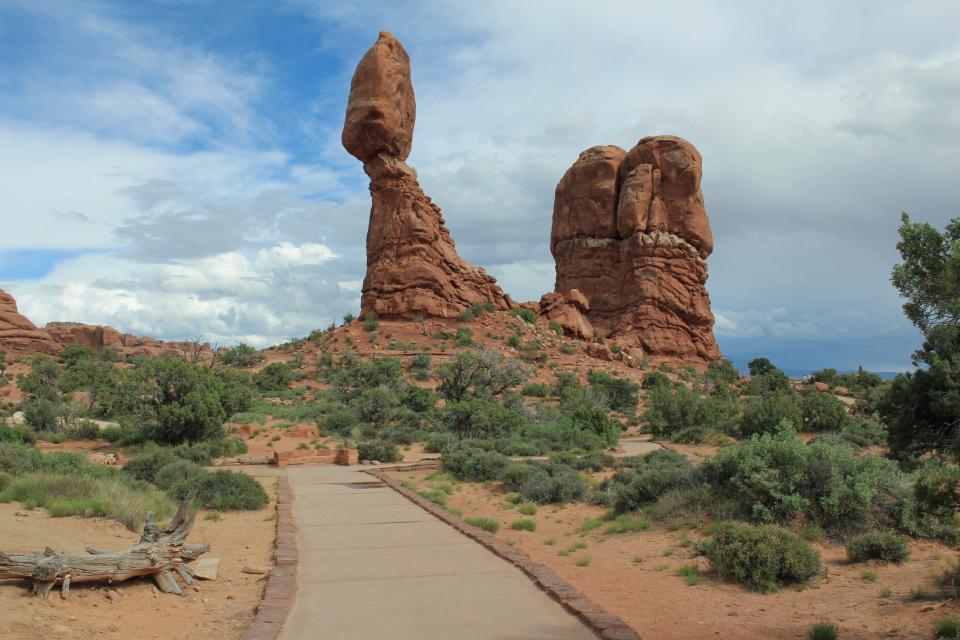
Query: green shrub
83, 430
171, 474
486, 523
146, 467
544, 484
480, 418
370, 323
276, 376
224, 491
650, 477
18, 434
620, 392
464, 337
476, 311
524, 524
379, 450
67, 494
766, 414
527, 508
655, 379
242, 355
761, 557
777, 477
823, 631
474, 464
535, 390
822, 412
878, 545
673, 410
479, 374
948, 627
524, 314
420, 362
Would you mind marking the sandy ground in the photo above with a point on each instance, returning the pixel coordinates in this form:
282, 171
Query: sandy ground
210, 609
657, 603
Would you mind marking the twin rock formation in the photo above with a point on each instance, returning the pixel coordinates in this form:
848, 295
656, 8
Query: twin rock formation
630, 238
630, 233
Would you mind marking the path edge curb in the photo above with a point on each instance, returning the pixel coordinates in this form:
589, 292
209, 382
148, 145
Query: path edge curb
281, 590
601, 622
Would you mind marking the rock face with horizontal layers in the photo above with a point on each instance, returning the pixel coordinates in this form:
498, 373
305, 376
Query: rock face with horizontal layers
412, 264
631, 233
20, 336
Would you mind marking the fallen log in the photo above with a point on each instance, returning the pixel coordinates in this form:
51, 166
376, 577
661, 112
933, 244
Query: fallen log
159, 554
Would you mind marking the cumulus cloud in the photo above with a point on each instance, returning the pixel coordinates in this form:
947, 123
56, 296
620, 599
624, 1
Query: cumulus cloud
281, 291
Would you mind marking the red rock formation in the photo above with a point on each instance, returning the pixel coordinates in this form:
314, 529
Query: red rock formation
631, 233
20, 336
105, 337
412, 263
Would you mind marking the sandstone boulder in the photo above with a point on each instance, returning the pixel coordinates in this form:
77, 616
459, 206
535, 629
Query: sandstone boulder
381, 109
412, 264
631, 235
567, 313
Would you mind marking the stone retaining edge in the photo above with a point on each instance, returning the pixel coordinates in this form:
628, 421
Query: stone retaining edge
604, 624
281, 590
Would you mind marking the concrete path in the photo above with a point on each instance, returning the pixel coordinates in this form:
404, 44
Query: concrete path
373, 565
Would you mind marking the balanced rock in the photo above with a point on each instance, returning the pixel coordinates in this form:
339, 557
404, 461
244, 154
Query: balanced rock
20, 336
381, 109
412, 263
631, 234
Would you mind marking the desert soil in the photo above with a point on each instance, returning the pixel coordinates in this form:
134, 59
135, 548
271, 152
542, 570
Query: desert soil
657, 603
219, 608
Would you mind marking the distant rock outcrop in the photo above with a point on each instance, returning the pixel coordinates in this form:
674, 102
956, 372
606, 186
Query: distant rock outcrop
412, 263
630, 233
19, 335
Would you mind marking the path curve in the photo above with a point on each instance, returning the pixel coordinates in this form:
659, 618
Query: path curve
374, 565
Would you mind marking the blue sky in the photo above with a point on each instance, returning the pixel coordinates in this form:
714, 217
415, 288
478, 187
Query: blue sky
174, 168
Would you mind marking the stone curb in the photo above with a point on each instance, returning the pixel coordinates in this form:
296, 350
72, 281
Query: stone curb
281, 589
603, 623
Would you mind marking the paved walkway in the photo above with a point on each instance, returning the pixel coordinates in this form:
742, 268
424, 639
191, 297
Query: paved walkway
373, 565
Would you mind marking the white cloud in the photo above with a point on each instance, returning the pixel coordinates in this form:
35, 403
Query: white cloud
282, 291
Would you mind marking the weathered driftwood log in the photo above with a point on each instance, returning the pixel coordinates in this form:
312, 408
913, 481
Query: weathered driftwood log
159, 554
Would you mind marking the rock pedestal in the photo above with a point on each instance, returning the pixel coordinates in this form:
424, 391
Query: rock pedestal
412, 263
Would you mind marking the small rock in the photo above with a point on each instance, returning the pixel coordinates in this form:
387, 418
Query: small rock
375, 462
206, 568
21, 514
254, 570
113, 595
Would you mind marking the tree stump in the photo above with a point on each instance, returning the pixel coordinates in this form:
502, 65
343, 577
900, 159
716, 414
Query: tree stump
159, 554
